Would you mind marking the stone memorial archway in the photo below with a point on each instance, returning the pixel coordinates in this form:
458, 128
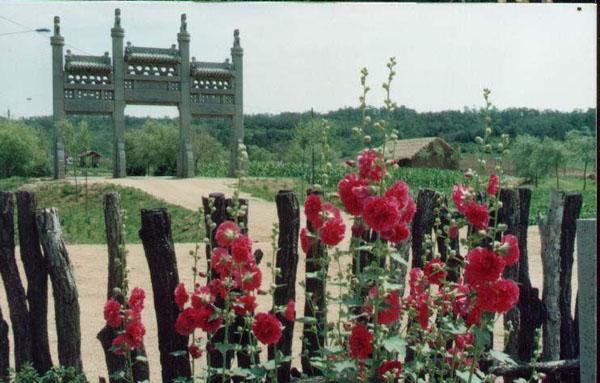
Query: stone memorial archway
146, 76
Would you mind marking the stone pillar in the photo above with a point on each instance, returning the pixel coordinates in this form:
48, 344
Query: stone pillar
185, 155
237, 135
587, 280
118, 81
58, 100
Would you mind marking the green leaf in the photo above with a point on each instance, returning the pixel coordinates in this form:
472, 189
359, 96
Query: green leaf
464, 377
343, 365
395, 344
306, 320
225, 347
141, 358
398, 258
179, 353
482, 337
502, 357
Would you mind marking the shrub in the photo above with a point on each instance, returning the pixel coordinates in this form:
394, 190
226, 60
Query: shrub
22, 151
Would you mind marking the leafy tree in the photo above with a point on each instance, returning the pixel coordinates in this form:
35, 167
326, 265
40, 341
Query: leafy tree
22, 151
206, 148
77, 139
527, 158
552, 152
582, 149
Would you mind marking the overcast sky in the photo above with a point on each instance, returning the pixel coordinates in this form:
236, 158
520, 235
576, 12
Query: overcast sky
298, 56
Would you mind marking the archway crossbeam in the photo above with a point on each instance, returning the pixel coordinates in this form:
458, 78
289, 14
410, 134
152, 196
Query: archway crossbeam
87, 84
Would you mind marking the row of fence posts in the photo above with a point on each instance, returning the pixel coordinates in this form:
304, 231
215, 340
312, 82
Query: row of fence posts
39, 229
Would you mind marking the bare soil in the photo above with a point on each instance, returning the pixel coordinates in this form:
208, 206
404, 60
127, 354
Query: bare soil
90, 267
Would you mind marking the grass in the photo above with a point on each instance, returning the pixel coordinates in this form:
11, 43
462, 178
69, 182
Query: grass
87, 226
13, 183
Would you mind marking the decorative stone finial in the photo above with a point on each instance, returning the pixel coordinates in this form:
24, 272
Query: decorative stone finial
183, 27
117, 18
193, 59
236, 38
68, 52
129, 43
56, 26
173, 47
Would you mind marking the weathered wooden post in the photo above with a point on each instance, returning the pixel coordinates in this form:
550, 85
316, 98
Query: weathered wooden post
157, 240
4, 349
36, 270
286, 263
15, 293
313, 334
550, 226
587, 264
117, 263
422, 225
66, 303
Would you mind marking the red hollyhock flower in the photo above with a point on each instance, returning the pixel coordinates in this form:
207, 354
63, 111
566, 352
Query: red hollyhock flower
241, 249
423, 310
357, 230
483, 265
453, 231
499, 296
226, 233
202, 296
186, 321
435, 271
136, 299
181, 296
461, 301
290, 311
112, 313
492, 186
312, 210
194, 351
207, 319
464, 340
398, 191
220, 261
391, 311
353, 191
244, 304
134, 333
391, 367
267, 328
399, 232
332, 231
459, 196
361, 342
217, 288
249, 278
408, 213
510, 249
305, 240
477, 215
474, 316
417, 281
381, 213
370, 165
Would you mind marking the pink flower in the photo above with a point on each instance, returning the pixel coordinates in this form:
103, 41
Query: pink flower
493, 183
226, 233
381, 213
477, 215
499, 296
305, 240
181, 296
353, 191
332, 231
290, 311
435, 271
136, 299
399, 191
312, 210
267, 328
398, 233
483, 265
510, 249
112, 313
370, 165
241, 249
361, 342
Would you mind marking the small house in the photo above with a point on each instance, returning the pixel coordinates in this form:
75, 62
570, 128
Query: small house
94, 159
426, 152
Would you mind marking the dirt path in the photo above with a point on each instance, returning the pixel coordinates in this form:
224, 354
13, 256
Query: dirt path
90, 268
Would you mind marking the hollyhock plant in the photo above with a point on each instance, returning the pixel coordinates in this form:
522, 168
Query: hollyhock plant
360, 342
127, 320
267, 328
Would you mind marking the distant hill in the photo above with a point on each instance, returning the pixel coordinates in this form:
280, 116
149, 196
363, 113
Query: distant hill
272, 132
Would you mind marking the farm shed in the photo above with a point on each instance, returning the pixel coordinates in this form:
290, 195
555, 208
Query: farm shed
93, 155
426, 152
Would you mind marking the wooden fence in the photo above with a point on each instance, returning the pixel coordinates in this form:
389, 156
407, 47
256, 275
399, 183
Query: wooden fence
44, 254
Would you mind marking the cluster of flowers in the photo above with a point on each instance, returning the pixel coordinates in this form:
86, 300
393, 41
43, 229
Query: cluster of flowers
237, 280
388, 214
128, 319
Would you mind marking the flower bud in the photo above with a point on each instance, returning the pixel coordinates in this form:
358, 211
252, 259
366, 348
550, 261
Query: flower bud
367, 139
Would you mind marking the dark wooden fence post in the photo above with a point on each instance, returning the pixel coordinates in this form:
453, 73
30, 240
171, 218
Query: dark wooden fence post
550, 228
286, 263
15, 293
66, 303
569, 345
422, 225
36, 271
4, 349
116, 266
157, 241
313, 334
509, 215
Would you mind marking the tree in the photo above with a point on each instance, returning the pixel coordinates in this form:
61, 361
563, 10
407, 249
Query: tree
582, 149
22, 151
76, 139
206, 148
527, 159
553, 153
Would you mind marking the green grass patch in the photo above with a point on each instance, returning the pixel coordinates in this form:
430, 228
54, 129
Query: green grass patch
13, 183
85, 225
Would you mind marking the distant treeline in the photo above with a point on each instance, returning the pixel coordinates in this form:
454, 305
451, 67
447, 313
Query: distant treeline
273, 132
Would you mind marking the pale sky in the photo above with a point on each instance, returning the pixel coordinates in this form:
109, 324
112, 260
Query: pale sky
298, 56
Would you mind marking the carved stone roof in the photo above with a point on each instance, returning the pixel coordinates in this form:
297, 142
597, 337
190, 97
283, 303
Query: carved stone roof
208, 69
86, 64
141, 55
